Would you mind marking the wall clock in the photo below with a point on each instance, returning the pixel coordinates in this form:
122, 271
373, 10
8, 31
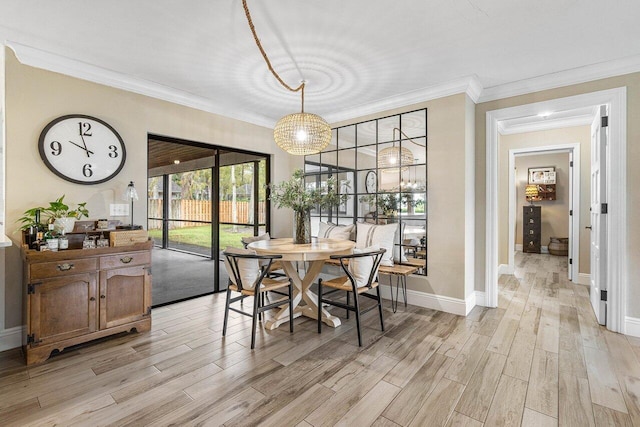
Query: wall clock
370, 182
82, 149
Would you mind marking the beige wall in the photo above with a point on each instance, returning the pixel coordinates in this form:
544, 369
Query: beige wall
573, 135
34, 97
632, 83
555, 213
449, 148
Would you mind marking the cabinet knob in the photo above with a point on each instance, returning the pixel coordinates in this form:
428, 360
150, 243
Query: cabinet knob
92, 299
65, 267
102, 297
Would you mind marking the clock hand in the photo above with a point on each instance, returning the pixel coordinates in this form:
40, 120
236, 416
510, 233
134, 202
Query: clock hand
85, 145
83, 148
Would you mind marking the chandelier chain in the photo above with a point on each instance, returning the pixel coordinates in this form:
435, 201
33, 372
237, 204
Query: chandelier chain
266, 58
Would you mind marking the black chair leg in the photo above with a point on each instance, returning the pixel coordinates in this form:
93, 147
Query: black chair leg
256, 304
380, 309
348, 295
319, 305
357, 307
226, 312
290, 306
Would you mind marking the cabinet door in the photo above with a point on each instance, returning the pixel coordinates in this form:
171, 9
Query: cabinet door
125, 295
63, 308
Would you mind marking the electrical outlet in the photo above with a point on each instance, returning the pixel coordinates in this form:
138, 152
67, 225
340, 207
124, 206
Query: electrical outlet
118, 209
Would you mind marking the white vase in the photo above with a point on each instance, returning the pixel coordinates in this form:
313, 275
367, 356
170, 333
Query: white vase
65, 224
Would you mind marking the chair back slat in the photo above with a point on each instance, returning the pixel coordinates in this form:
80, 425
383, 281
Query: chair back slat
234, 259
377, 258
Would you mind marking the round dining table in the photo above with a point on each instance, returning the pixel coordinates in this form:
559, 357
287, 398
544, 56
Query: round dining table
315, 253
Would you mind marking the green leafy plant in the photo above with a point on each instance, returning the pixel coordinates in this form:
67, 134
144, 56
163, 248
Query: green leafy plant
56, 209
387, 203
59, 209
299, 196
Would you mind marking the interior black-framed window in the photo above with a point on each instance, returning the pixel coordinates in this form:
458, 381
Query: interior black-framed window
382, 165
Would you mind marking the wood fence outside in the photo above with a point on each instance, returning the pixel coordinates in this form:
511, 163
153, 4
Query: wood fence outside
200, 210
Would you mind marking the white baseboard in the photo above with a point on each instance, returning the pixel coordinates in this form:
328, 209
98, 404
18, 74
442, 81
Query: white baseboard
632, 326
432, 301
518, 247
11, 338
505, 269
480, 298
584, 279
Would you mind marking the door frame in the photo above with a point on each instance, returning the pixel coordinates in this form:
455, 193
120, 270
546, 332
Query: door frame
617, 270
574, 201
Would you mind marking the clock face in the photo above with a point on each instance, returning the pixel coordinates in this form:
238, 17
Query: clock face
371, 181
82, 149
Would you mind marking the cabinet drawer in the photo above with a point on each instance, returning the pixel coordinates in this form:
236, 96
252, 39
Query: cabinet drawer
125, 260
63, 268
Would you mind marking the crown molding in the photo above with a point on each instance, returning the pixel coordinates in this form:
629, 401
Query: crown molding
469, 85
546, 124
37, 58
603, 70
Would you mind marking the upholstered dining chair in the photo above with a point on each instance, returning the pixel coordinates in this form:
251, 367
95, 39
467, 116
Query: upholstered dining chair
361, 269
249, 279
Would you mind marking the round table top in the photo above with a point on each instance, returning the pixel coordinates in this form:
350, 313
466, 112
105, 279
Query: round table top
318, 249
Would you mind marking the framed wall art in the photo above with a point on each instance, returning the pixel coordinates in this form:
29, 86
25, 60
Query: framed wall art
545, 175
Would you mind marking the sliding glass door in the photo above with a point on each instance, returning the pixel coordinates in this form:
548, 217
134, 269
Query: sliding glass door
197, 206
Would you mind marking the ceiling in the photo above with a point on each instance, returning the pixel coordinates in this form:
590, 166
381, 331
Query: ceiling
357, 56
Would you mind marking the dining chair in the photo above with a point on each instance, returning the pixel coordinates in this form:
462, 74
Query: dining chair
275, 269
248, 279
361, 269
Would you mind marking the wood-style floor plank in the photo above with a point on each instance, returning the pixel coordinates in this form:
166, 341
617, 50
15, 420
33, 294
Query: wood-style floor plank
508, 402
540, 359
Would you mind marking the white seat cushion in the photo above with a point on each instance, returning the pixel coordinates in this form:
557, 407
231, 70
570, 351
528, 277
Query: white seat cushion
381, 235
248, 269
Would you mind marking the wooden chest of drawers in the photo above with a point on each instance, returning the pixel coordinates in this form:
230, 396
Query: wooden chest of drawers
78, 295
531, 229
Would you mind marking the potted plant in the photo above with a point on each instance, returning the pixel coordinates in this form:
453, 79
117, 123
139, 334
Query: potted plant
64, 217
302, 197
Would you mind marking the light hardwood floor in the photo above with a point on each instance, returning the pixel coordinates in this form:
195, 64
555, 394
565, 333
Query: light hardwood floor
540, 359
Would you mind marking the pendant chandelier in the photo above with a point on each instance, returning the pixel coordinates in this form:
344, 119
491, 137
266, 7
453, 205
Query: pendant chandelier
394, 159
298, 133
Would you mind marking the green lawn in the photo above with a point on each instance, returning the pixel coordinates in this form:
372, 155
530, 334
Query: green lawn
201, 236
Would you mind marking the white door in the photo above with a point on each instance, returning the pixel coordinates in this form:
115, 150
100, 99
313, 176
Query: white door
598, 218
570, 233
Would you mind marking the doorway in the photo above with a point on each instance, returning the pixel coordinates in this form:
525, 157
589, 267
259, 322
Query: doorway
201, 199
564, 209
616, 274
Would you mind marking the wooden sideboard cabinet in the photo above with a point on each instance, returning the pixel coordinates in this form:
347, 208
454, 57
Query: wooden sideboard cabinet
531, 229
78, 295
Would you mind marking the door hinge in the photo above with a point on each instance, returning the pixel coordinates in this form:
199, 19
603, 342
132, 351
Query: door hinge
605, 121
604, 208
570, 260
31, 339
148, 311
571, 163
570, 212
31, 288
603, 295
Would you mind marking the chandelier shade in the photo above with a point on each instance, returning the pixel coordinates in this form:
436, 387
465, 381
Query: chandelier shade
394, 159
302, 133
